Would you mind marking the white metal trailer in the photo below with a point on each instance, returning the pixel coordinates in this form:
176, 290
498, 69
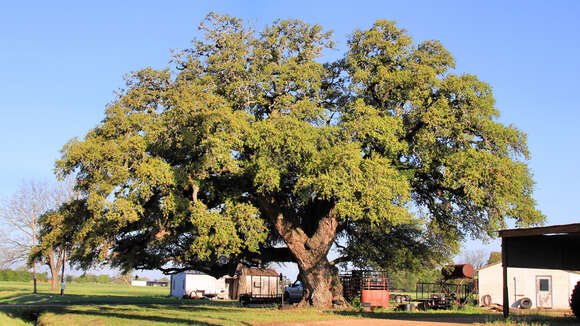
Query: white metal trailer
195, 284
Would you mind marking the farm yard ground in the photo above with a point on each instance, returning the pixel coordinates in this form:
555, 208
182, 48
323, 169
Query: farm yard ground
97, 305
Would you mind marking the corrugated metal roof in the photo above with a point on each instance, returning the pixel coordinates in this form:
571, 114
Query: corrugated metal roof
194, 273
552, 229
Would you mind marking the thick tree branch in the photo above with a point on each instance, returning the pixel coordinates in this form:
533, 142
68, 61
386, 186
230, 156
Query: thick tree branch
268, 255
339, 260
325, 234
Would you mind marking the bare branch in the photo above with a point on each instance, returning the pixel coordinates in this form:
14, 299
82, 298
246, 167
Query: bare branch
20, 212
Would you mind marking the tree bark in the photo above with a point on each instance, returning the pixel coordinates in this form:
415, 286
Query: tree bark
320, 279
62, 275
322, 285
54, 264
34, 278
53, 271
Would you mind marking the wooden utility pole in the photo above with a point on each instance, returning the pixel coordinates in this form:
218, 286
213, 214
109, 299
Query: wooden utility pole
281, 286
34, 262
62, 285
506, 300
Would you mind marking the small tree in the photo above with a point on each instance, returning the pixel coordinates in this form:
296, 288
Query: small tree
124, 277
57, 235
476, 258
407, 280
20, 213
494, 257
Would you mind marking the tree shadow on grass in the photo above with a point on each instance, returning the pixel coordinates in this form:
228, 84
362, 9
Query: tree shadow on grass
78, 299
199, 307
152, 313
462, 318
131, 316
9, 288
206, 309
50, 298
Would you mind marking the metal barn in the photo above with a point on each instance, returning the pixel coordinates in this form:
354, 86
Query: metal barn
544, 288
547, 247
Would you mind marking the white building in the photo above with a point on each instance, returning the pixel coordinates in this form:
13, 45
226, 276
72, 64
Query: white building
546, 288
138, 283
196, 284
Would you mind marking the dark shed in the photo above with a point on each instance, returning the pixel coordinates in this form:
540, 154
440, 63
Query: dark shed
550, 247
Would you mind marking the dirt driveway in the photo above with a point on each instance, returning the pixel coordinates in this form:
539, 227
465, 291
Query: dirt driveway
434, 319
369, 322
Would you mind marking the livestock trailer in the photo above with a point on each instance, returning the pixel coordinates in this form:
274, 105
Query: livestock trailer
372, 286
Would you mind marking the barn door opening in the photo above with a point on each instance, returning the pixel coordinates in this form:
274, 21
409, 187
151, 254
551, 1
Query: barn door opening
544, 291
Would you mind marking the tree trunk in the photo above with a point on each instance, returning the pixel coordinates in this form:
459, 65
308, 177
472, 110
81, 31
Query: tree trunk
53, 271
34, 277
322, 286
62, 275
54, 263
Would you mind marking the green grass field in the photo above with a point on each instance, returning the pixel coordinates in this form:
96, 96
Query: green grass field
100, 305
7, 320
79, 293
178, 315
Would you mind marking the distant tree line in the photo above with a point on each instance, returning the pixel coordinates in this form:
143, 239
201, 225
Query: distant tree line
407, 280
90, 278
20, 275
26, 276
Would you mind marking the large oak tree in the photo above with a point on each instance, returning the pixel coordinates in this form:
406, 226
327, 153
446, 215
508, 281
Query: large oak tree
250, 150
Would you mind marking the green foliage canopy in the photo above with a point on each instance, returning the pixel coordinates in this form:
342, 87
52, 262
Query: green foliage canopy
57, 229
407, 280
251, 138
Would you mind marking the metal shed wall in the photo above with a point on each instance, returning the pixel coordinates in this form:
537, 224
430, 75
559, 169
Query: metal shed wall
550, 247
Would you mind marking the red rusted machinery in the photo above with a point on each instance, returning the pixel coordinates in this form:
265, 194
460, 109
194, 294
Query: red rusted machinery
451, 272
375, 291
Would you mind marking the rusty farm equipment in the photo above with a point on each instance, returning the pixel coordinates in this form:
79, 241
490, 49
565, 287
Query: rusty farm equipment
456, 288
372, 286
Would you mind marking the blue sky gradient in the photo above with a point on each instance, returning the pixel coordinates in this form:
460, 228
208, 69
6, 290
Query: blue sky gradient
60, 63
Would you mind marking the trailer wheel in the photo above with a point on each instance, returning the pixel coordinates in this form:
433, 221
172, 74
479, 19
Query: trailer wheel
575, 300
486, 300
525, 303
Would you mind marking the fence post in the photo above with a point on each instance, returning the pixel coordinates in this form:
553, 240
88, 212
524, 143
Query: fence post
281, 284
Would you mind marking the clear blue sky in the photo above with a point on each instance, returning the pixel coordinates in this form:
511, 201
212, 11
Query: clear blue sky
61, 61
